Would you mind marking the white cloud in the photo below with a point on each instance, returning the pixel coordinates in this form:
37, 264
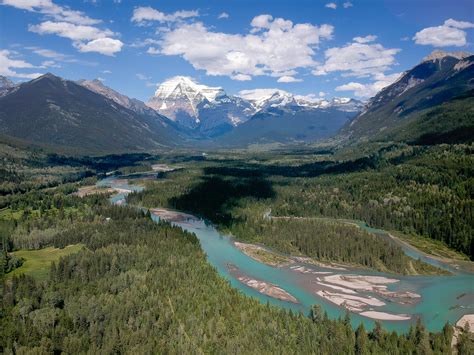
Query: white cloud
272, 47
48, 8
141, 15
142, 76
366, 39
258, 94
357, 59
50, 64
106, 72
458, 24
145, 42
288, 79
153, 50
370, 89
347, 4
223, 15
50, 54
310, 98
9, 66
241, 77
322, 94
331, 5
105, 46
449, 34
70, 30
71, 24
85, 38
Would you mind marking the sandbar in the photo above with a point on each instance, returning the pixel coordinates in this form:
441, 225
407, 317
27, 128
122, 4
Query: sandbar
384, 315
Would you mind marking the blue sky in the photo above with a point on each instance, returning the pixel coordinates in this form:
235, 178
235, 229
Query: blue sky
317, 48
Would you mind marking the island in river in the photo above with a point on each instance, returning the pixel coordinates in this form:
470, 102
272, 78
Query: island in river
396, 300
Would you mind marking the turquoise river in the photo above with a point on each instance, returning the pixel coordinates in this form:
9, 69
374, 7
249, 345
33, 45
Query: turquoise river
443, 298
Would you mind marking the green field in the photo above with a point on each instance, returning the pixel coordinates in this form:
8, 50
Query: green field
38, 262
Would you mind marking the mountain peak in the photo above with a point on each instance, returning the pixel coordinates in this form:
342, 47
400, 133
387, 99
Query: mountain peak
184, 85
6, 83
439, 54
178, 98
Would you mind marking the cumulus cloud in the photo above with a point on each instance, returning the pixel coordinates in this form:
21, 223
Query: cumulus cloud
357, 59
331, 5
105, 46
145, 42
223, 15
273, 47
369, 89
85, 38
9, 66
144, 14
48, 8
70, 30
241, 77
366, 39
347, 4
258, 94
153, 50
311, 97
448, 34
288, 79
71, 24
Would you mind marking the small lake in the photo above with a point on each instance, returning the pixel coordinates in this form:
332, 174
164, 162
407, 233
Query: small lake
443, 298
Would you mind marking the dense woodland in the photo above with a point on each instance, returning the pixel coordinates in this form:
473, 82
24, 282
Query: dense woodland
138, 286
427, 191
332, 241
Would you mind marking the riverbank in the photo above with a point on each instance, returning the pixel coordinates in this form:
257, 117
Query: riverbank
263, 287
263, 255
360, 294
459, 327
436, 250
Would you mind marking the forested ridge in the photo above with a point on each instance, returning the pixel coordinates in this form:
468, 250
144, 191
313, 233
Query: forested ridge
427, 191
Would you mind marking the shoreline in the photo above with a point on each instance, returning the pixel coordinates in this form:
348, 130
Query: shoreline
263, 255
459, 326
263, 287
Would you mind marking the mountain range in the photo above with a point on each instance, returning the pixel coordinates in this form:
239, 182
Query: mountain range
398, 109
429, 103
211, 112
61, 114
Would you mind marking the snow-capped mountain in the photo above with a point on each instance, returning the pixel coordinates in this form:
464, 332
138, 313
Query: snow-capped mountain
5, 85
178, 99
265, 99
199, 106
135, 105
211, 112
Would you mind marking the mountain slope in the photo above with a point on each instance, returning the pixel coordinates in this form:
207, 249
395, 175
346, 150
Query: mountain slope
55, 112
439, 78
132, 104
300, 124
451, 122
